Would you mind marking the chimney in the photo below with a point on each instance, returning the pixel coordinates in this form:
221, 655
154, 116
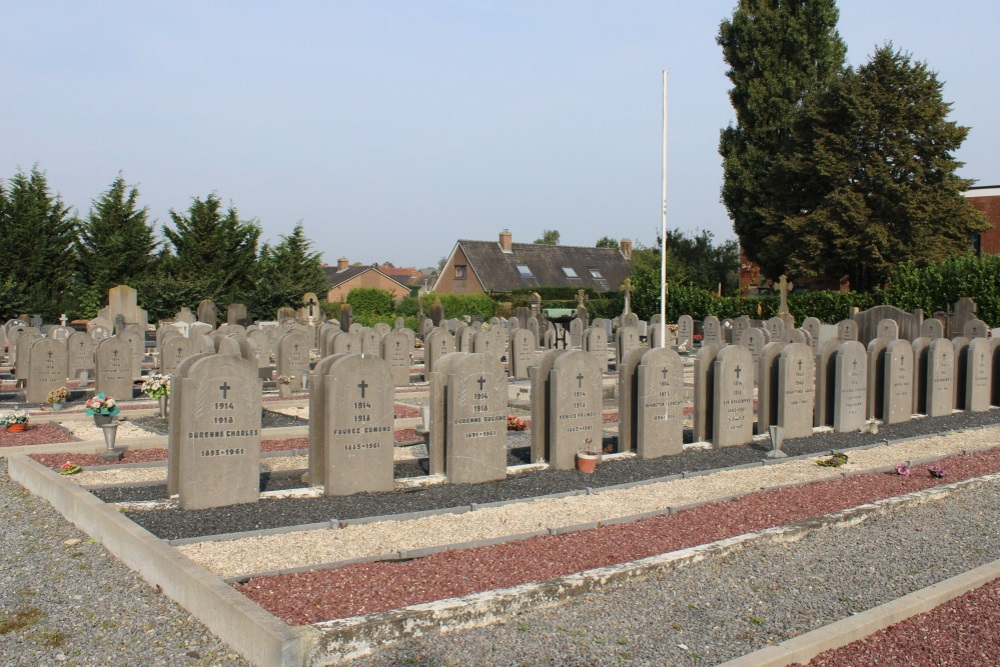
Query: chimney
342, 264
506, 241
626, 248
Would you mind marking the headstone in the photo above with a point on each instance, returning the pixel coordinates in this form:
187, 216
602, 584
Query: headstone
813, 327
978, 378
137, 346
359, 426
963, 310
876, 378
796, 336
888, 330
976, 329
576, 399
847, 330
732, 413
208, 313
58, 333
370, 342
711, 331
685, 333
850, 404
437, 428
775, 328
48, 368
755, 339
185, 315
704, 391
796, 390
825, 359
317, 420
476, 420
522, 353
576, 327
898, 382
932, 328
595, 342
940, 377
199, 329
436, 344
236, 313
80, 349
23, 356
113, 372
123, 300
346, 318
659, 401
628, 406
248, 350
961, 346
214, 432
626, 340
227, 345
396, 352
292, 357
919, 348
767, 386
741, 327
540, 404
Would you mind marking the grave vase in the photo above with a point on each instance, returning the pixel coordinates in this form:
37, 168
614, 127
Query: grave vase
56, 407
586, 462
16, 428
101, 420
163, 406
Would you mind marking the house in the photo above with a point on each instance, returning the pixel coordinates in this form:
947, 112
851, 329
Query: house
483, 267
986, 200
343, 278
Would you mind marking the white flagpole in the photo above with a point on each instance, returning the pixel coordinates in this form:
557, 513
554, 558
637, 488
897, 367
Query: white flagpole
663, 227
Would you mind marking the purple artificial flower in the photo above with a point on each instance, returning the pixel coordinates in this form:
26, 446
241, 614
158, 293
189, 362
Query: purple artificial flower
935, 471
903, 469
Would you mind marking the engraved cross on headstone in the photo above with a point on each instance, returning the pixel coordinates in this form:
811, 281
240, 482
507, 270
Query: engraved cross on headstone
482, 382
224, 388
579, 381
362, 386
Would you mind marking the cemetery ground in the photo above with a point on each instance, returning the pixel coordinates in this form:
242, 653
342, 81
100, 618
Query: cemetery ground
671, 581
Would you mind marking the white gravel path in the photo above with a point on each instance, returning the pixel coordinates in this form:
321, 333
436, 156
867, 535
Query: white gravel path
85, 430
301, 548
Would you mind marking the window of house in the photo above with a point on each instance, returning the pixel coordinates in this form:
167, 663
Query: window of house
460, 270
594, 273
570, 273
523, 270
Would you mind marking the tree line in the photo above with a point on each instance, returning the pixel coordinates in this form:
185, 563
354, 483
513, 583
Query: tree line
55, 261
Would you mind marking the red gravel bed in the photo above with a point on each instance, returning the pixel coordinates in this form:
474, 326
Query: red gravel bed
365, 588
406, 412
958, 632
131, 456
35, 434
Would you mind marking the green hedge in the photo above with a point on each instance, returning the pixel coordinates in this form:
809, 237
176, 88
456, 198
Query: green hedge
938, 286
457, 305
369, 300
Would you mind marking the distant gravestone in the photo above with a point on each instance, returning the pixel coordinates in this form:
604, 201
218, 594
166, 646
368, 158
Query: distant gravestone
227, 345
741, 327
961, 372
137, 347
898, 382
888, 330
732, 416
576, 399
813, 327
123, 301
522, 353
248, 350
775, 328
80, 348
847, 330
490, 341
576, 327
796, 390
359, 426
208, 312
292, 357
932, 328
476, 421
626, 340
463, 338
437, 429
851, 385
437, 344
317, 420
236, 313
755, 339
344, 342
199, 329
976, 329
711, 331
876, 378
962, 311
685, 333
48, 368
113, 372
704, 391
796, 336
371, 342
978, 378
23, 356
540, 405
396, 352
214, 432
628, 406
185, 315
940, 377
595, 341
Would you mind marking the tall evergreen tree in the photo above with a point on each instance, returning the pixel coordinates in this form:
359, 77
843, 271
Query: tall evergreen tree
778, 51
214, 250
870, 180
287, 271
36, 237
115, 246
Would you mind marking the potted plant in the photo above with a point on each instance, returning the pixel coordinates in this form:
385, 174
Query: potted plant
515, 423
57, 398
157, 386
284, 386
586, 458
15, 420
102, 407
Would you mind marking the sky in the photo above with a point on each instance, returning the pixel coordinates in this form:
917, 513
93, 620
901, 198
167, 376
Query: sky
392, 129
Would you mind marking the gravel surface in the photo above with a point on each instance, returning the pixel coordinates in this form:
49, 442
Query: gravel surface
65, 600
173, 523
724, 608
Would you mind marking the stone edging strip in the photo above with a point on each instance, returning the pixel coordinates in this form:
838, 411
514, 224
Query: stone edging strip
847, 630
257, 635
349, 638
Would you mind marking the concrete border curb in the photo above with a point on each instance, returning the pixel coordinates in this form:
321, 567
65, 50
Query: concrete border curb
807, 646
257, 635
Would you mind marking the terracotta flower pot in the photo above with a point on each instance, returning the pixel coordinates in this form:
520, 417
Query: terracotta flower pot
586, 462
16, 428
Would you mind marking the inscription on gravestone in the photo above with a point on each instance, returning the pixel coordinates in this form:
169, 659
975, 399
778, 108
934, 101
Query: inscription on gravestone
849, 405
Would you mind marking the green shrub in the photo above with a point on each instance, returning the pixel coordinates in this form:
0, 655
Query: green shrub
369, 300
457, 305
938, 286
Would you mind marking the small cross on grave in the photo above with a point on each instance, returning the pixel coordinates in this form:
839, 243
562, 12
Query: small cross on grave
740, 370
114, 353
50, 354
664, 372
311, 303
63, 320
579, 381
783, 288
482, 382
224, 388
627, 288
800, 365
362, 386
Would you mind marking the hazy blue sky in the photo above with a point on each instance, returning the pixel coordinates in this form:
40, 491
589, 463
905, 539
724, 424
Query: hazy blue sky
391, 129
